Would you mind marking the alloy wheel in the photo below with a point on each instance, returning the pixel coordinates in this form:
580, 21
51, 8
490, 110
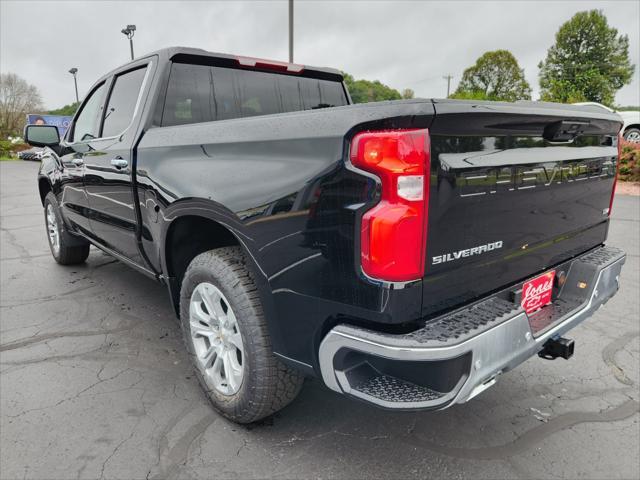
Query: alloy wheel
216, 339
52, 230
633, 137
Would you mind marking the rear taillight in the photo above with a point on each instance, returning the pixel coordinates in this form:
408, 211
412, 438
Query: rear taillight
393, 234
615, 179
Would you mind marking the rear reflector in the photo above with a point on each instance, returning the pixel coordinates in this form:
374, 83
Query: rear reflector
393, 234
269, 64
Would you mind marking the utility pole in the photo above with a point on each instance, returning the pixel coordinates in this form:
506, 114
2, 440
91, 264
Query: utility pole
448, 79
129, 31
290, 31
73, 72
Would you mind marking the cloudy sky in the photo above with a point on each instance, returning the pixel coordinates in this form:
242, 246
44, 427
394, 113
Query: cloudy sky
406, 44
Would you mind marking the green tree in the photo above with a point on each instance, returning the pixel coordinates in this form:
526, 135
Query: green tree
495, 76
68, 110
363, 91
589, 61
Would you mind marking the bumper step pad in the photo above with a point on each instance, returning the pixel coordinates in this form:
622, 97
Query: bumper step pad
457, 326
392, 389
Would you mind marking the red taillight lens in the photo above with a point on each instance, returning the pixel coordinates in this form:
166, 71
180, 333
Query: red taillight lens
393, 234
615, 180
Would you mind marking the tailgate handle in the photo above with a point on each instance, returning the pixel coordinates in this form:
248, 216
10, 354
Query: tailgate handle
564, 131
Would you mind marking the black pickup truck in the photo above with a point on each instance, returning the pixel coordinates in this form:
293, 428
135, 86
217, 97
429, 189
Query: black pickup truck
407, 253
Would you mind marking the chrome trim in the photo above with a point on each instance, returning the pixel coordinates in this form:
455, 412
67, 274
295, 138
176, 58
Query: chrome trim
493, 351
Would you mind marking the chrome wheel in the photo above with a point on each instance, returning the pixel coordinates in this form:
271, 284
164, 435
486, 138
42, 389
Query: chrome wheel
633, 137
52, 230
216, 339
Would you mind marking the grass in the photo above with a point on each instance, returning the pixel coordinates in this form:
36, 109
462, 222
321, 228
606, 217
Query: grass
8, 159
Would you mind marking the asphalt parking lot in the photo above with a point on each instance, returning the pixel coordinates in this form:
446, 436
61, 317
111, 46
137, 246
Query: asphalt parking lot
94, 383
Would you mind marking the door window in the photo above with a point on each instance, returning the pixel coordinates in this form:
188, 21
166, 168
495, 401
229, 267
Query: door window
122, 102
86, 125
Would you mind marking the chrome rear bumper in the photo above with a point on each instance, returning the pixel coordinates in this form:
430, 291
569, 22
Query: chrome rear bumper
457, 356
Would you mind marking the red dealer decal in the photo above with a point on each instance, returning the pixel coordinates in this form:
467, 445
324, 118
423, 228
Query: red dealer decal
536, 293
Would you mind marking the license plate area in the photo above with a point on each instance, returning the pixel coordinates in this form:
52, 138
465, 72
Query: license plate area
537, 292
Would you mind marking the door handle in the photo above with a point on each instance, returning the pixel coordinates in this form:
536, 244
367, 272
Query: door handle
119, 162
78, 161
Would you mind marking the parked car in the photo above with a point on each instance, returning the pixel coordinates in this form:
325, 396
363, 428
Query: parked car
32, 154
631, 118
408, 253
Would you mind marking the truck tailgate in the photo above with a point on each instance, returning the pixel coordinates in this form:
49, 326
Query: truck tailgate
515, 189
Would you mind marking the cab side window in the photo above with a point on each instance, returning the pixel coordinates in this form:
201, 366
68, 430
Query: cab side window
86, 125
122, 102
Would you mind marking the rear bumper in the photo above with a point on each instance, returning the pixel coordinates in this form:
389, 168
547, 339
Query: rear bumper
457, 356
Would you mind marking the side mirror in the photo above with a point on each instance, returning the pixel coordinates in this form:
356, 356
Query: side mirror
41, 135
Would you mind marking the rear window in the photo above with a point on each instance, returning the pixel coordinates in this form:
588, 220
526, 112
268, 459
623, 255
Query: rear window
201, 93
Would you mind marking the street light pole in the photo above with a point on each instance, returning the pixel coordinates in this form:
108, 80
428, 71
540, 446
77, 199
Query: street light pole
129, 31
73, 72
448, 79
290, 31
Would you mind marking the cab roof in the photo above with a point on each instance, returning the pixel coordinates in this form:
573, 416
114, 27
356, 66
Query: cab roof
200, 56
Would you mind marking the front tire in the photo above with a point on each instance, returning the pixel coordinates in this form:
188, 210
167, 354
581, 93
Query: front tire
226, 336
66, 248
632, 135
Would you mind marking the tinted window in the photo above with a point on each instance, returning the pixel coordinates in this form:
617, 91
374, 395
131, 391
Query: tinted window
200, 93
86, 125
188, 95
290, 93
258, 92
225, 94
122, 102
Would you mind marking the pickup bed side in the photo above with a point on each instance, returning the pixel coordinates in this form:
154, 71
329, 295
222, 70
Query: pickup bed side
279, 185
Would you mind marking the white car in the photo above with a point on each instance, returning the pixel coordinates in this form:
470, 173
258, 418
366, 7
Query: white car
631, 126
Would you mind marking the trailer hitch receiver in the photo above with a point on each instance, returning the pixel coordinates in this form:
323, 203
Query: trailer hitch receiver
557, 347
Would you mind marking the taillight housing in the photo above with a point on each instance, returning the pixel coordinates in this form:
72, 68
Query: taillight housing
393, 234
615, 180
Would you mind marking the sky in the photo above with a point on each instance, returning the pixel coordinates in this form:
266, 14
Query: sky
405, 44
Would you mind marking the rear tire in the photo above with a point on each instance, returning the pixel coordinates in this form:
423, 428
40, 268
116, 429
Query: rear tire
226, 336
67, 249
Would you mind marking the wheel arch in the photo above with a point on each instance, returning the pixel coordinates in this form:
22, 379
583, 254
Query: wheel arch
49, 175
44, 187
202, 229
